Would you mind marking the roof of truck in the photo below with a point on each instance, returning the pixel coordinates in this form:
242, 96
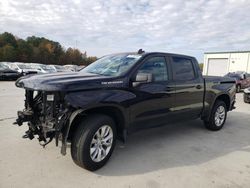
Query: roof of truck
148, 53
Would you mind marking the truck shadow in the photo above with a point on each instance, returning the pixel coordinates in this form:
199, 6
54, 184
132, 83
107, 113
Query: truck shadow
178, 145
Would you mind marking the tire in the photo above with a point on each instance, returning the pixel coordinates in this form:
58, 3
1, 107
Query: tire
238, 88
88, 132
212, 124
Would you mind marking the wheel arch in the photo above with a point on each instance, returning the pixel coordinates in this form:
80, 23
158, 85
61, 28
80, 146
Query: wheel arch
223, 97
114, 112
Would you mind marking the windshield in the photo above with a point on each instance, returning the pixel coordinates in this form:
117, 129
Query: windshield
35, 66
3, 66
24, 66
59, 67
112, 65
47, 67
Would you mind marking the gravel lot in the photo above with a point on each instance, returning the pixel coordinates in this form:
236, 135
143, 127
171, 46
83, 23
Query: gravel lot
180, 155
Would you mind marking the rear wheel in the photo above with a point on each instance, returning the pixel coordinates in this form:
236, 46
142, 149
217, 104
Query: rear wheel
93, 142
218, 116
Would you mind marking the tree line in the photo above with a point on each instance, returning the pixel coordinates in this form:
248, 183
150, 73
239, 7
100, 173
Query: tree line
39, 50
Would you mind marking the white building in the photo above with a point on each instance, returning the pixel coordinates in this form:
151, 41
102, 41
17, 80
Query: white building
220, 63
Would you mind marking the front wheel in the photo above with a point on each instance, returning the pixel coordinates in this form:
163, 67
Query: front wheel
218, 116
93, 142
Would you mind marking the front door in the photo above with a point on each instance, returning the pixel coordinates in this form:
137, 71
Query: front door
154, 101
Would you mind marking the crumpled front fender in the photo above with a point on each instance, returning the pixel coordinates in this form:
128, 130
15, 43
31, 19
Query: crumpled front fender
89, 99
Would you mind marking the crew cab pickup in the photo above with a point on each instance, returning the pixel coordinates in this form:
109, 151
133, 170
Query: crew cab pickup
116, 95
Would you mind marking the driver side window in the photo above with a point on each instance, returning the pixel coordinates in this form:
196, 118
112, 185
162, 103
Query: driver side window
157, 67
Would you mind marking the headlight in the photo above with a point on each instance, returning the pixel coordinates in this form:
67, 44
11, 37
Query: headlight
50, 97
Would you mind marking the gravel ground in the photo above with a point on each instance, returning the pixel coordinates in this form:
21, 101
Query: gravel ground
179, 155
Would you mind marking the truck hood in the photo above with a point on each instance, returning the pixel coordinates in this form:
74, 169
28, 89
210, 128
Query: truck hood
65, 81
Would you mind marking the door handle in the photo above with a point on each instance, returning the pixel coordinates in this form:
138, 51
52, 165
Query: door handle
198, 87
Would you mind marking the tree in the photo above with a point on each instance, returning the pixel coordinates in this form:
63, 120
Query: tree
39, 50
24, 51
58, 53
8, 53
7, 39
34, 41
73, 56
90, 60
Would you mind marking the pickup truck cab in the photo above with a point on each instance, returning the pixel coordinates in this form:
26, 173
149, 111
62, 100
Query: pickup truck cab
117, 95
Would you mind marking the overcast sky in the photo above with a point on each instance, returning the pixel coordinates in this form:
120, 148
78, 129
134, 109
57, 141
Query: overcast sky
107, 26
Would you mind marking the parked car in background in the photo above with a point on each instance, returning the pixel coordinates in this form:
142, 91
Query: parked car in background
72, 68
246, 95
59, 68
242, 79
5, 63
8, 74
23, 68
48, 69
41, 68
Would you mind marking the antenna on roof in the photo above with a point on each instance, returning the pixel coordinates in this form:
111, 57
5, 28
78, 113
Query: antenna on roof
140, 51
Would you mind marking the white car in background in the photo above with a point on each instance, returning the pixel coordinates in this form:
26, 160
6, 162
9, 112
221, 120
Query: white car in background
41, 68
72, 68
59, 68
22, 68
6, 63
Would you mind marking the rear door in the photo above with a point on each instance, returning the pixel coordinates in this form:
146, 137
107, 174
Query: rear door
189, 87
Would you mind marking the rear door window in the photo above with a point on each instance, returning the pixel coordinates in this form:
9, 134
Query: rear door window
183, 69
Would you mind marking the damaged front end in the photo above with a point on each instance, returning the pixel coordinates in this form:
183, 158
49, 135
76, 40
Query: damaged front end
47, 116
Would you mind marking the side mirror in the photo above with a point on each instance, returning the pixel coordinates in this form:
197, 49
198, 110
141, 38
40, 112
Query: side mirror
142, 78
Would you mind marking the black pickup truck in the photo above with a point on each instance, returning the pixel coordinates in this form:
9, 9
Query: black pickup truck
117, 95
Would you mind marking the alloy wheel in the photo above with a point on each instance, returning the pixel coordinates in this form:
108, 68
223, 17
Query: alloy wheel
101, 143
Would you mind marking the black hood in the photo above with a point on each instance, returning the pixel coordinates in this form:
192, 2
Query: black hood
71, 81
